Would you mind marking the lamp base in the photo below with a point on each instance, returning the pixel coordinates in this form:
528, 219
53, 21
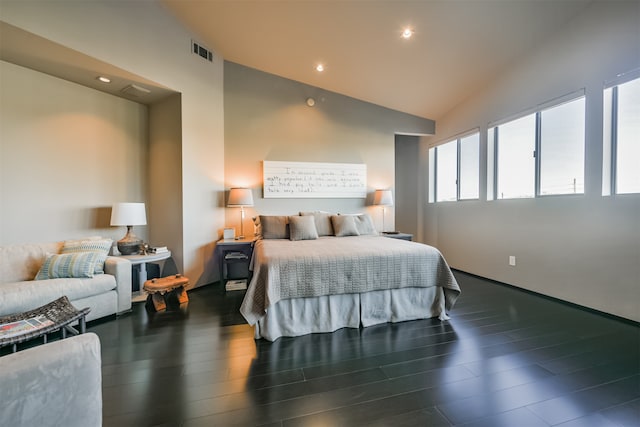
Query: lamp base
130, 243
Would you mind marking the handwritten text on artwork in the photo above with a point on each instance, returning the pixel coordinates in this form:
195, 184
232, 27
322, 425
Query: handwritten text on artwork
314, 180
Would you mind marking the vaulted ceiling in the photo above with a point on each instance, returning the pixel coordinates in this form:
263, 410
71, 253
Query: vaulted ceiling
457, 48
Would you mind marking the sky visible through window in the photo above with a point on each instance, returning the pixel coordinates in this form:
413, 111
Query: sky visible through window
562, 149
470, 167
628, 144
516, 164
447, 171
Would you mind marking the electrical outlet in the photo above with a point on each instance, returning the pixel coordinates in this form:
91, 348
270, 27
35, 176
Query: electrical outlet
512, 260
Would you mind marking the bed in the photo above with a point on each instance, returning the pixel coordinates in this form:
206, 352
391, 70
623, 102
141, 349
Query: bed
324, 283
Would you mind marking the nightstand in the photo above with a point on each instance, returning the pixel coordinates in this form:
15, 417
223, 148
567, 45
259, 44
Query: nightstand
235, 256
139, 263
402, 236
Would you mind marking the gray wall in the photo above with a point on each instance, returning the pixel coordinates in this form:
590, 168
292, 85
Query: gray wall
407, 201
267, 118
583, 249
165, 175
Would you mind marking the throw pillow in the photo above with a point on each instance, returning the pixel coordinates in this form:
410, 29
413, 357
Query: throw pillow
99, 246
323, 222
78, 264
364, 224
257, 228
302, 228
344, 225
274, 227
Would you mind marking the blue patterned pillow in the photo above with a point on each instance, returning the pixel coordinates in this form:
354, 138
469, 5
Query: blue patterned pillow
100, 246
79, 264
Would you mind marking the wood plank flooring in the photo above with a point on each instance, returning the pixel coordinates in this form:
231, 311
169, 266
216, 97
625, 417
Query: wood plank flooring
506, 358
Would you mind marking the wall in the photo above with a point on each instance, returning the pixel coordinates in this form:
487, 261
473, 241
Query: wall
407, 167
267, 118
143, 38
67, 153
165, 175
583, 249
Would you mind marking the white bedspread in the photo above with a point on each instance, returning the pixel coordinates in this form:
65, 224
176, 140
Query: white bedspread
286, 269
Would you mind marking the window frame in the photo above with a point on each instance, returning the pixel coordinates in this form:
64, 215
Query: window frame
610, 133
493, 132
458, 185
437, 167
433, 163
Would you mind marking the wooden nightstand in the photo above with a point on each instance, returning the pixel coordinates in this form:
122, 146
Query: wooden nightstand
234, 252
402, 236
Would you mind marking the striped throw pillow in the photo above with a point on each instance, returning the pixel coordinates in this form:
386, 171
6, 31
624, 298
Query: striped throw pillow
79, 264
99, 246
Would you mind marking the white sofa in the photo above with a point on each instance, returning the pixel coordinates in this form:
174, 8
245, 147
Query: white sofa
55, 384
105, 294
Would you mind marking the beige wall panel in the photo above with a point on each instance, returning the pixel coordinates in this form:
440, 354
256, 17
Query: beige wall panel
144, 39
67, 153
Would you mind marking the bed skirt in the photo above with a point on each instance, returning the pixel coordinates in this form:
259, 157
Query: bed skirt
300, 316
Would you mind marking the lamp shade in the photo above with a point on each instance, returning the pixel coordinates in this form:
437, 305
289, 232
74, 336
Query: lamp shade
128, 214
239, 197
383, 198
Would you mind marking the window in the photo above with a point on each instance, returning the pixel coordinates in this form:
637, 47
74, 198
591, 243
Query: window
516, 164
562, 149
455, 169
622, 139
469, 167
539, 154
446, 172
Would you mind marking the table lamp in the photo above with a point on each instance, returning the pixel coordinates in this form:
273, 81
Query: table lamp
129, 214
239, 198
383, 198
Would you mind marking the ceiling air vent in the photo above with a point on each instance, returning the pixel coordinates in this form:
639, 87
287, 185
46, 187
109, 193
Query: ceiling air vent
135, 90
202, 51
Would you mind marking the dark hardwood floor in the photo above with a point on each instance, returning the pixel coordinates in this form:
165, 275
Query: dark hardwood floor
506, 358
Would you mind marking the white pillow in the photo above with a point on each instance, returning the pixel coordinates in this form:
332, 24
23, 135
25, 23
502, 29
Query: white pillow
364, 224
323, 222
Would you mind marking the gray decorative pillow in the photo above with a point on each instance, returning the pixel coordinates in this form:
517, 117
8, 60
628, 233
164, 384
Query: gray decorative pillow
302, 228
364, 224
274, 226
344, 225
323, 222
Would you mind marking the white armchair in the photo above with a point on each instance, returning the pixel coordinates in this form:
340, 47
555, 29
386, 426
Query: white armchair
55, 384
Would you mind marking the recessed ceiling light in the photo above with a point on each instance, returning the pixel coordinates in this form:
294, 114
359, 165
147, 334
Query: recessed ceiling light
319, 68
407, 33
104, 79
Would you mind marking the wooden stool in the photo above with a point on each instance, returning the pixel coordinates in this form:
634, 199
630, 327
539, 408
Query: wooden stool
160, 289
